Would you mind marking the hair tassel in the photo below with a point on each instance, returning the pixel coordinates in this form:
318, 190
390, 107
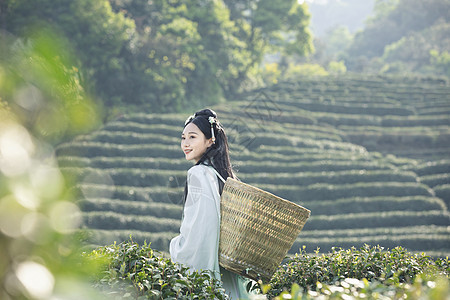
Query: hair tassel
212, 120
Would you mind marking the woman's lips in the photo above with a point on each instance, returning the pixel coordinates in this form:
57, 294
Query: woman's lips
187, 151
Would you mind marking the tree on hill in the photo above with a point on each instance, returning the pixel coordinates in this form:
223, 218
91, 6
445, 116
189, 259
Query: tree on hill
183, 50
414, 53
407, 17
91, 32
227, 39
272, 25
164, 54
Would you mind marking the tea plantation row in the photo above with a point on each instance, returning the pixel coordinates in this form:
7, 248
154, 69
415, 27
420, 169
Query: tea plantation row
326, 144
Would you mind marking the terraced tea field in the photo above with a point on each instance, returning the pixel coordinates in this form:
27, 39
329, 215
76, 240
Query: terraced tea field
368, 156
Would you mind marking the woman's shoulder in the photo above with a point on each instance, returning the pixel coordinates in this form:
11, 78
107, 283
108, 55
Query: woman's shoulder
200, 174
199, 169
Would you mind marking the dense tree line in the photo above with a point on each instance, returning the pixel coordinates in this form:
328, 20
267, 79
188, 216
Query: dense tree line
404, 36
164, 55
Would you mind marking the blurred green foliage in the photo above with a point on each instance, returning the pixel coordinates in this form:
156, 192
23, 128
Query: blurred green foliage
41, 86
41, 104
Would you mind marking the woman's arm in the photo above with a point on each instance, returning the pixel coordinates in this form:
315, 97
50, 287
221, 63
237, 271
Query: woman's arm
198, 242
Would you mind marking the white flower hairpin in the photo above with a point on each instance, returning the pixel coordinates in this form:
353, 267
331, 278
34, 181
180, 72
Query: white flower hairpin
213, 121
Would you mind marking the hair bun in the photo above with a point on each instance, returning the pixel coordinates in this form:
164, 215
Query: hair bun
206, 113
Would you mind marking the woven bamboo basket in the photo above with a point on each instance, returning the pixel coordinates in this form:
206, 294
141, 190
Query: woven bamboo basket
257, 229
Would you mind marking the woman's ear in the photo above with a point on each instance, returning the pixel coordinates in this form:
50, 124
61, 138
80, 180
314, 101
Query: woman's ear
210, 142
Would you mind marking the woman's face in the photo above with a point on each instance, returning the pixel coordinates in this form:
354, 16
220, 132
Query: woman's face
193, 142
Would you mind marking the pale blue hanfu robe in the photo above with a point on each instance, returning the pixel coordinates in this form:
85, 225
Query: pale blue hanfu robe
197, 246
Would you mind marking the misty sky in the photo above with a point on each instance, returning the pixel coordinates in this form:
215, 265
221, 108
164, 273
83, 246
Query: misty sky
329, 14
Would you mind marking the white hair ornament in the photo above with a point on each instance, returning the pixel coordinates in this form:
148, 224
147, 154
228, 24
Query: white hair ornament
213, 121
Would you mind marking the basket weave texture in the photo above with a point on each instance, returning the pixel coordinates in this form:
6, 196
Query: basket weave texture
257, 229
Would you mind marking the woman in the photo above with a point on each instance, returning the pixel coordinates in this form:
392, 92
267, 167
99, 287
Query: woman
204, 141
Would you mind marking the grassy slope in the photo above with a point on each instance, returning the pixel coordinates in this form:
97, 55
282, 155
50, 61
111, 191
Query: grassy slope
369, 157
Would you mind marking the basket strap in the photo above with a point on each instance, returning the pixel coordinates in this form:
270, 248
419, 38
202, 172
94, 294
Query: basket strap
218, 175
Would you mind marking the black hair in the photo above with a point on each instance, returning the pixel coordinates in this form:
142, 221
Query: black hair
217, 155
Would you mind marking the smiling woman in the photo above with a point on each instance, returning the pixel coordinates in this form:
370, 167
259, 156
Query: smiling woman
204, 141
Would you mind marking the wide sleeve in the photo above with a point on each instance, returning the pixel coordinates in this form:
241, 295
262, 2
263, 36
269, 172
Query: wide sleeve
198, 242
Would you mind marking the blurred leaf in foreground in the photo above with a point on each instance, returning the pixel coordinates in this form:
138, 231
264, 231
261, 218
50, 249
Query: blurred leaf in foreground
41, 103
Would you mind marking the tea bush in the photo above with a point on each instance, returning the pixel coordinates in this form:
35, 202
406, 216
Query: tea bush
435, 180
284, 150
73, 161
402, 139
355, 108
433, 120
348, 120
138, 208
130, 176
167, 119
131, 271
92, 149
167, 130
323, 191
338, 177
424, 287
433, 167
443, 192
100, 237
130, 137
112, 220
317, 166
411, 240
132, 193
378, 220
425, 154
374, 204
363, 232
137, 272
119, 162
434, 110
297, 117
269, 153
367, 263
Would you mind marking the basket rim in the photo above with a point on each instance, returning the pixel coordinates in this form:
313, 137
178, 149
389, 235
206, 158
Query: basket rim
284, 201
